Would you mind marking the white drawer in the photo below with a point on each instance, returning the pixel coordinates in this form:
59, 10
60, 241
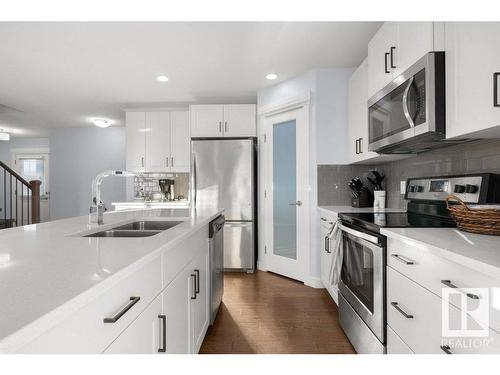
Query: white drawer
395, 345
326, 219
85, 331
417, 320
414, 261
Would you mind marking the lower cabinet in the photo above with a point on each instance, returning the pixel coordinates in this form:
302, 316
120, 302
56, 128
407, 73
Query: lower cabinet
327, 220
199, 302
143, 335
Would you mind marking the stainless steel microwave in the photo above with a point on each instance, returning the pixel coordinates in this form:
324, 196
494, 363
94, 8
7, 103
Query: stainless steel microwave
408, 115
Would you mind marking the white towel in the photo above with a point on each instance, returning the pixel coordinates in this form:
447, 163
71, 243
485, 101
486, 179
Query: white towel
335, 238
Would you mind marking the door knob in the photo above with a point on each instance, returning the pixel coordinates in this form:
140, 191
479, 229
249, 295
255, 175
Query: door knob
298, 203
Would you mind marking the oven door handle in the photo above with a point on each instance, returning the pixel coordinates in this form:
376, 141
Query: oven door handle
405, 104
365, 236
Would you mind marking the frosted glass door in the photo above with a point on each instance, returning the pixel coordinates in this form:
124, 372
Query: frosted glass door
285, 189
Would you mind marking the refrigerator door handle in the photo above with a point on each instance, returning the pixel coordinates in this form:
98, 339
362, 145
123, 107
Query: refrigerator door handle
194, 180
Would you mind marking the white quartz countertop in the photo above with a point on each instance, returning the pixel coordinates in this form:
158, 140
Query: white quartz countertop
476, 251
140, 204
48, 271
347, 209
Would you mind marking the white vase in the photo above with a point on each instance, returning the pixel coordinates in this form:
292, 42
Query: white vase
378, 200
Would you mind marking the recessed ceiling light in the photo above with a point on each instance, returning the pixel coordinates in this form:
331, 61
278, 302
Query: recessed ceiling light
162, 78
271, 76
101, 123
4, 136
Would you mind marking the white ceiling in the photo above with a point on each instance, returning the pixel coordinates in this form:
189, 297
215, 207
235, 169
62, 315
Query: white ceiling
65, 74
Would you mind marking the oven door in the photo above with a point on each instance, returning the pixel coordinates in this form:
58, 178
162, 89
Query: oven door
363, 277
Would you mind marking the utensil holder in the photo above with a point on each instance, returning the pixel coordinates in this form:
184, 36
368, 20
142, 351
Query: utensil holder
365, 199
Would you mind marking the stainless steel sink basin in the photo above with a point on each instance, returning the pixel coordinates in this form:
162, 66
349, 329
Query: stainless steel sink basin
148, 225
124, 233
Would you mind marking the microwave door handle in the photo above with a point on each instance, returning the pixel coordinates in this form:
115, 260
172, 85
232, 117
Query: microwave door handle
405, 104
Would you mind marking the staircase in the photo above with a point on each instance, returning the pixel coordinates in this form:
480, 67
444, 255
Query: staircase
19, 199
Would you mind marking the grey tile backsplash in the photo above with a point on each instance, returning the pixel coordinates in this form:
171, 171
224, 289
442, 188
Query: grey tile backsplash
473, 157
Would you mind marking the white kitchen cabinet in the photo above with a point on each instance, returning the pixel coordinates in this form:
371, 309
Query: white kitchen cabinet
358, 115
136, 141
327, 220
176, 304
199, 306
240, 120
158, 141
144, 335
395, 345
181, 142
472, 59
228, 120
397, 46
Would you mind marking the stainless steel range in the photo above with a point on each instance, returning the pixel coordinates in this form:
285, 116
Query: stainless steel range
362, 304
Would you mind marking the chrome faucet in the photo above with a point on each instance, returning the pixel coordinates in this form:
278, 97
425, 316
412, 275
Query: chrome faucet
97, 208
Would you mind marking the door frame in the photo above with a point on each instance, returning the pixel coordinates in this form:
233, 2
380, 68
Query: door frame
266, 113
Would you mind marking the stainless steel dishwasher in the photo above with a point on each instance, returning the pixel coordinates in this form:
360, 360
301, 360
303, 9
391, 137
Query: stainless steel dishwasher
216, 240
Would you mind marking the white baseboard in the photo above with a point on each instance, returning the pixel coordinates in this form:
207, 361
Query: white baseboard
314, 282
261, 266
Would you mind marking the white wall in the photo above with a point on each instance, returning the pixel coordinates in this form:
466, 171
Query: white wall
77, 155
328, 90
6, 147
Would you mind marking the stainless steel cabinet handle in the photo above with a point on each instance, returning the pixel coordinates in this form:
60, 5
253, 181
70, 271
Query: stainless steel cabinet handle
495, 89
449, 284
142, 162
360, 145
166, 159
387, 71
392, 57
225, 126
172, 163
406, 315
193, 288
446, 349
357, 146
197, 283
327, 245
114, 319
163, 347
298, 203
405, 104
402, 259
220, 126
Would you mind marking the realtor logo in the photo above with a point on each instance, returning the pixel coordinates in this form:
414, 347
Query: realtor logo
465, 312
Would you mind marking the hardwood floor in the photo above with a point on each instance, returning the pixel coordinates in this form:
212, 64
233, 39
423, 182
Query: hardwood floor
267, 313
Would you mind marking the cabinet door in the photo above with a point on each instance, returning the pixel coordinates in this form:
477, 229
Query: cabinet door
158, 141
180, 160
240, 120
325, 258
136, 141
142, 336
207, 120
199, 306
414, 40
176, 305
379, 64
472, 57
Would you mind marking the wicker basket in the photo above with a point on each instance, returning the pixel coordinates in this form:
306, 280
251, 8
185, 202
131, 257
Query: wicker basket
474, 220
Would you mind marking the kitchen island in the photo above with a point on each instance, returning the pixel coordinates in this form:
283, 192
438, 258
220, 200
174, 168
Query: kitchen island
63, 292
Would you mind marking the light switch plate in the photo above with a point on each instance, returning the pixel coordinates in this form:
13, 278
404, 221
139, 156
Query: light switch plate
402, 187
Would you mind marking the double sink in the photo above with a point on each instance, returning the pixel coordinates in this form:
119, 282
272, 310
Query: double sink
143, 228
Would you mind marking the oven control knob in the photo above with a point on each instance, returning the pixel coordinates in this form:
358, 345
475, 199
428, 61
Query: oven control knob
459, 189
471, 189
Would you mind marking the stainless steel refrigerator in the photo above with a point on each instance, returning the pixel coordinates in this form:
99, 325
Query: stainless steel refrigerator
224, 176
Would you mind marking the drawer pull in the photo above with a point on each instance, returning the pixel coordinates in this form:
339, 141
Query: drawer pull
193, 288
114, 319
197, 284
163, 347
327, 245
406, 315
446, 349
449, 284
402, 259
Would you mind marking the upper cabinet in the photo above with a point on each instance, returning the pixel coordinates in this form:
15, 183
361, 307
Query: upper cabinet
358, 115
158, 141
398, 45
228, 120
472, 77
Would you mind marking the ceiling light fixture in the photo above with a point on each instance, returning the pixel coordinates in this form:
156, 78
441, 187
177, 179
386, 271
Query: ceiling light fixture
4, 136
271, 76
101, 123
162, 78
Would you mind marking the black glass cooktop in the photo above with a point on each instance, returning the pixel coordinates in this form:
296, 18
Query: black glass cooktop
375, 221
